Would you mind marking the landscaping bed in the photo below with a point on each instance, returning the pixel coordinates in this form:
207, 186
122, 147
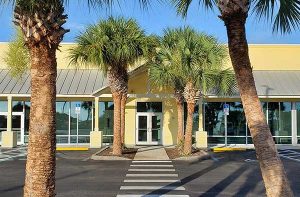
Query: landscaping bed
128, 153
173, 153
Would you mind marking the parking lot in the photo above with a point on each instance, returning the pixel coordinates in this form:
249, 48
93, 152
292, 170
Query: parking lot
226, 174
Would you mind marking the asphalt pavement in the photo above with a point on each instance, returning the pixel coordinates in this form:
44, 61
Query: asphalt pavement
226, 174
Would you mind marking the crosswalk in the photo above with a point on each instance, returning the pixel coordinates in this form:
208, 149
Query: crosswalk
152, 179
13, 154
290, 154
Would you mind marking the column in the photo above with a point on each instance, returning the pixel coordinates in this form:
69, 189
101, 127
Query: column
96, 137
201, 135
9, 137
294, 124
9, 113
96, 114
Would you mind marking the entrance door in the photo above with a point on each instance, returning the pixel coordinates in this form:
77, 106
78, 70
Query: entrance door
17, 124
149, 128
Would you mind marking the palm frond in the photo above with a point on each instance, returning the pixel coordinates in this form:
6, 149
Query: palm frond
284, 14
182, 6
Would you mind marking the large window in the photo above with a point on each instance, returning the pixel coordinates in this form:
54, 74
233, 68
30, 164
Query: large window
236, 124
215, 122
298, 121
280, 121
149, 107
73, 126
106, 120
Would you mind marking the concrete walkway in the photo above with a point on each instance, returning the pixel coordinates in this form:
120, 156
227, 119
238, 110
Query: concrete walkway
151, 153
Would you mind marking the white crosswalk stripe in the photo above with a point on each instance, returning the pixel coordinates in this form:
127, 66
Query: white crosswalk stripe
152, 179
290, 154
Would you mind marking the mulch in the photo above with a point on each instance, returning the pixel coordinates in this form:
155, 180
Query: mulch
173, 153
127, 152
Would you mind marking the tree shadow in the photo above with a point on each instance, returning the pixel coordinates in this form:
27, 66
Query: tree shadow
185, 180
219, 187
59, 178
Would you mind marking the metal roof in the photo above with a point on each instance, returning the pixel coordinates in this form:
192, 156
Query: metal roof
88, 81
277, 83
69, 82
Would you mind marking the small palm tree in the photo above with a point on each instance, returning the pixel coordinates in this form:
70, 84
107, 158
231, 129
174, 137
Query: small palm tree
285, 15
113, 45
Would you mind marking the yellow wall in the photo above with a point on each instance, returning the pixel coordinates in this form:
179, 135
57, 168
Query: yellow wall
263, 57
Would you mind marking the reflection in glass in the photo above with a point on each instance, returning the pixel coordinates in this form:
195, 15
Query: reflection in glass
62, 118
149, 107
26, 121
142, 128
3, 106
279, 119
17, 106
106, 120
16, 126
85, 118
3, 124
298, 118
156, 128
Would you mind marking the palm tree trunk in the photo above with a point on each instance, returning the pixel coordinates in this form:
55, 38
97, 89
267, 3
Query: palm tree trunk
189, 129
40, 165
180, 136
273, 173
123, 106
189, 95
117, 143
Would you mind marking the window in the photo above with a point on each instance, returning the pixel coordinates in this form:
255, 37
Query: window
106, 120
280, 121
149, 107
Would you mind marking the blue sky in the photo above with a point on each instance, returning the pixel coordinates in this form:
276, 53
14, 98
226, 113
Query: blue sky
154, 20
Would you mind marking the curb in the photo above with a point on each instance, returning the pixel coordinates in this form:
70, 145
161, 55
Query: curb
107, 158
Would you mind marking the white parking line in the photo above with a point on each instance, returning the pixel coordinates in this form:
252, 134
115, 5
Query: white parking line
145, 165
154, 161
149, 195
152, 188
152, 170
151, 181
152, 175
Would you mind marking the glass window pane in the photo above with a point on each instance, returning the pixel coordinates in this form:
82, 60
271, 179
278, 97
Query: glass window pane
27, 114
73, 121
106, 120
236, 120
17, 106
149, 107
62, 118
85, 118
3, 124
279, 115
62, 139
3, 106
214, 119
298, 118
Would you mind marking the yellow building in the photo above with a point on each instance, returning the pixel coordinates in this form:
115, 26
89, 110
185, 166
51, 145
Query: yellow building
84, 104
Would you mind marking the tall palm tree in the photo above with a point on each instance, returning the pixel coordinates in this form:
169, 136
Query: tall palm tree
113, 45
285, 15
41, 22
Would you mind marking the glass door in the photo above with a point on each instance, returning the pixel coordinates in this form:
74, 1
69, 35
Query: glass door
148, 129
17, 125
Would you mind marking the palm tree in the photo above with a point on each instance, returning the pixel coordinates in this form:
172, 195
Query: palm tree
113, 45
191, 63
285, 15
41, 23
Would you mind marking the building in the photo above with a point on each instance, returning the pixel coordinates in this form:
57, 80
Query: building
84, 104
